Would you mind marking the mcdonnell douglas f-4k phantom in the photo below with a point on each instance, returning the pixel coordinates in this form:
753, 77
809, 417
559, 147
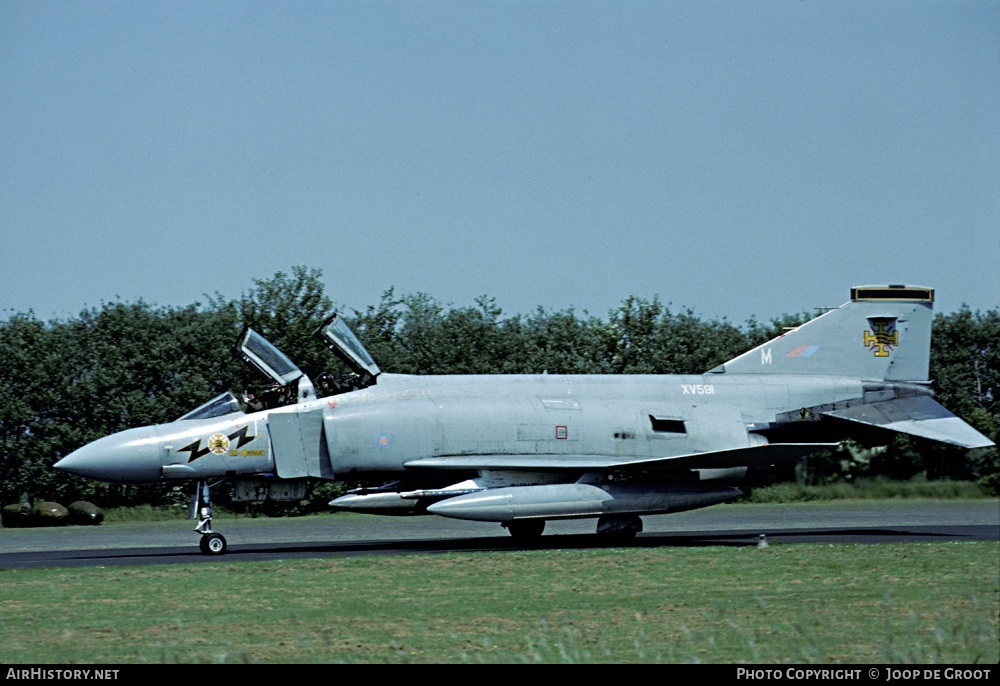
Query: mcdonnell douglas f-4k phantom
523, 449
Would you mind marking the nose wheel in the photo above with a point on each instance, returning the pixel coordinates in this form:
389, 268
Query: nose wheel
212, 542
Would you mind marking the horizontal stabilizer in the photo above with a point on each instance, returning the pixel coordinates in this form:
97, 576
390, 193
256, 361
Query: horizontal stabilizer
763, 455
918, 416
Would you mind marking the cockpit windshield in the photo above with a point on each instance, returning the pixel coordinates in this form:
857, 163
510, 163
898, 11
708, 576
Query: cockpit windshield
216, 407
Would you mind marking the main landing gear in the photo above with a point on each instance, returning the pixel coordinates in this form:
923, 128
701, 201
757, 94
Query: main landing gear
212, 543
525, 529
619, 528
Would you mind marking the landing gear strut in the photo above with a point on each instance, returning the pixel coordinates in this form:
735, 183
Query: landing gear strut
619, 527
212, 543
525, 529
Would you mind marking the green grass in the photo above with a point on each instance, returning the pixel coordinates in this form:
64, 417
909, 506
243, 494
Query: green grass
801, 604
869, 489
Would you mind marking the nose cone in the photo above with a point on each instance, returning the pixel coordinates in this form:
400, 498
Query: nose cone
133, 456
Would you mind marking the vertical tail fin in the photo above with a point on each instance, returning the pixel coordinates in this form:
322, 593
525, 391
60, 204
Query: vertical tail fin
882, 333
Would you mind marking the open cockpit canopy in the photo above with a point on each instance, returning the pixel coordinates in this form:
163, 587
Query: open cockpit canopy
342, 341
267, 359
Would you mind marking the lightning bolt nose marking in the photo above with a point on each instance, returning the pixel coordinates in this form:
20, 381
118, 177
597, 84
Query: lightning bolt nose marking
194, 449
218, 443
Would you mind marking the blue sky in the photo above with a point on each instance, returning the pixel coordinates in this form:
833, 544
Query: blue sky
738, 158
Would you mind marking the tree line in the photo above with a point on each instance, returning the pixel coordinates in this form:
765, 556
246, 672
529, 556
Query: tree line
65, 383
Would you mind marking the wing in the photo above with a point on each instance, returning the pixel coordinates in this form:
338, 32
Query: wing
763, 455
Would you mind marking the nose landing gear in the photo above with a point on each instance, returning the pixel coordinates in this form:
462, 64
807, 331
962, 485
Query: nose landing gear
212, 542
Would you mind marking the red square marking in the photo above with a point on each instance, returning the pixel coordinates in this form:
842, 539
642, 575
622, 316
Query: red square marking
561, 433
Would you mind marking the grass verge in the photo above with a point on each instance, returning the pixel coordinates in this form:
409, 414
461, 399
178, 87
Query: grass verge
802, 604
869, 489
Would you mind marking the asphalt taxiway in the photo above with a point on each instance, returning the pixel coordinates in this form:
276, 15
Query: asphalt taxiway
144, 543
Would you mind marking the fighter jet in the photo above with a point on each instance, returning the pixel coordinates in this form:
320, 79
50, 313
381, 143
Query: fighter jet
520, 450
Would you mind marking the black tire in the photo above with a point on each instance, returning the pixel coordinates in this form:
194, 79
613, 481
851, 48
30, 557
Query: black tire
526, 530
618, 528
213, 544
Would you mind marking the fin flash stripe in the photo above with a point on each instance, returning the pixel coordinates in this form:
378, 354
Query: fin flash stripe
803, 351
